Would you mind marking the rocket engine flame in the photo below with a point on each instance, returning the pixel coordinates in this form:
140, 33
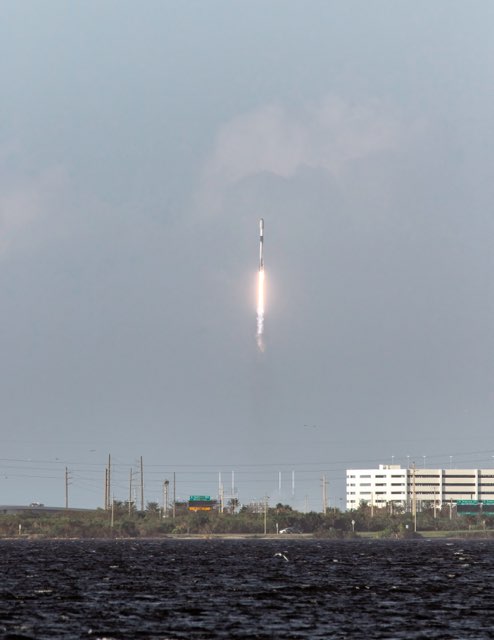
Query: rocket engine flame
260, 289
260, 309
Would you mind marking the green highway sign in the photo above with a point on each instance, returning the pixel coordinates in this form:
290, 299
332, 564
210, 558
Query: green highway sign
199, 498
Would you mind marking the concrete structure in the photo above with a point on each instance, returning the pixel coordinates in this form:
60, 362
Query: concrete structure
377, 487
391, 485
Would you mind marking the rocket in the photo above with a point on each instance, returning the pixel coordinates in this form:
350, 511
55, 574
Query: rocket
260, 289
261, 244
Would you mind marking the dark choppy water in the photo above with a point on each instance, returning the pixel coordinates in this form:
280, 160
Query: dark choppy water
239, 589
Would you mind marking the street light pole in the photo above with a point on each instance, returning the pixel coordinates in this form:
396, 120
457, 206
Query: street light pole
265, 514
414, 501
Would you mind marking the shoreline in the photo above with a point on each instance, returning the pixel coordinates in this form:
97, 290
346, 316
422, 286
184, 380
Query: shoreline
301, 537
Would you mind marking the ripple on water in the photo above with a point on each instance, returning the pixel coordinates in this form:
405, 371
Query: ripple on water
240, 589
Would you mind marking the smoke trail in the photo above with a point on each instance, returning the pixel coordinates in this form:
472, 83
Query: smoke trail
260, 310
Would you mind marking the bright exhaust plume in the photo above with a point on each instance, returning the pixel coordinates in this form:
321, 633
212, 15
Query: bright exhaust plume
260, 310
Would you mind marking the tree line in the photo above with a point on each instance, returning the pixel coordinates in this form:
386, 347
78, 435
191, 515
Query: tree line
121, 522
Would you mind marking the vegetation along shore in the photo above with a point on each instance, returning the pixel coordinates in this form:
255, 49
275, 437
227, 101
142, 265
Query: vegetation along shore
280, 520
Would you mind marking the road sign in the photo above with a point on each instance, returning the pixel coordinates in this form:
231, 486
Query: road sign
199, 498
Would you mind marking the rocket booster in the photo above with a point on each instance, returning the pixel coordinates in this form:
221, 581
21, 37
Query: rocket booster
261, 244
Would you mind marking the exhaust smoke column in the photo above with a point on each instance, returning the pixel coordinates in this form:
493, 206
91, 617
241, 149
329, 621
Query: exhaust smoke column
260, 289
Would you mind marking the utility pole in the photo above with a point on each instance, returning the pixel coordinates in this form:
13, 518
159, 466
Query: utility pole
265, 514
130, 491
66, 488
108, 488
174, 495
414, 500
142, 486
221, 492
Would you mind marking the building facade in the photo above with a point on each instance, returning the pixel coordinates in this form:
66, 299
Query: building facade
391, 485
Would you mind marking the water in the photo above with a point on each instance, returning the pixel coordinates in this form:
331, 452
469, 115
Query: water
240, 589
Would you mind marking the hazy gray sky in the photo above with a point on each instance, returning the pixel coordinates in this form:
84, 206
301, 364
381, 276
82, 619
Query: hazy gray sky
139, 145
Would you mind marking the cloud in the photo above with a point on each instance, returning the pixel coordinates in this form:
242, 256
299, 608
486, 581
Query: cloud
328, 135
